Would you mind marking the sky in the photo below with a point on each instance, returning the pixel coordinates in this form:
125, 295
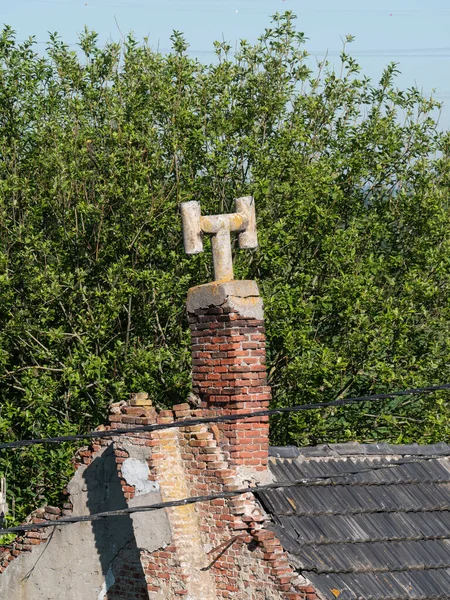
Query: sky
414, 33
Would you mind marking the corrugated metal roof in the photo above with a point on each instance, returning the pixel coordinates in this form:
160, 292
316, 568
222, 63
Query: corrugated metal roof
376, 534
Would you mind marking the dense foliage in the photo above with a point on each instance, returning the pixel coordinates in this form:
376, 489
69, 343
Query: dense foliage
97, 150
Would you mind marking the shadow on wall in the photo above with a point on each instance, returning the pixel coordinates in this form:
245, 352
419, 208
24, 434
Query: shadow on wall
114, 536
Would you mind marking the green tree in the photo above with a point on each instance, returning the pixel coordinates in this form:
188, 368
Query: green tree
97, 150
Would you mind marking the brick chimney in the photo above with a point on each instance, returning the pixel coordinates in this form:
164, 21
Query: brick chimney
228, 357
228, 339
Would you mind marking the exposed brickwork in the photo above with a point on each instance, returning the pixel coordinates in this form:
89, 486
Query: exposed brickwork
239, 561
251, 565
229, 375
168, 465
129, 582
31, 538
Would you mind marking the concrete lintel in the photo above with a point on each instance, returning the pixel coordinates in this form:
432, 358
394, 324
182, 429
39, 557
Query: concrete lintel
240, 295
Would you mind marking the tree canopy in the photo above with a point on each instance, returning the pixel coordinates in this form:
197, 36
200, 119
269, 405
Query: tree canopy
97, 150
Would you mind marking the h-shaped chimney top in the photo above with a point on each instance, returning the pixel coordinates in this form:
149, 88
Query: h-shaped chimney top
219, 227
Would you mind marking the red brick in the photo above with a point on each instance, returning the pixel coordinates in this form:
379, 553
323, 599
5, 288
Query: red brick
182, 407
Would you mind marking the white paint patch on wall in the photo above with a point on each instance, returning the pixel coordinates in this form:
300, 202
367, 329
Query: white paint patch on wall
109, 582
136, 472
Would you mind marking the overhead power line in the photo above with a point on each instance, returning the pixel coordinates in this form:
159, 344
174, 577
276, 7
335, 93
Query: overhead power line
224, 418
431, 52
199, 7
303, 482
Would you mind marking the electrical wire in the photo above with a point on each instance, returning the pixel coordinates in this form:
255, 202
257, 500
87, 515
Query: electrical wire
431, 52
223, 418
303, 482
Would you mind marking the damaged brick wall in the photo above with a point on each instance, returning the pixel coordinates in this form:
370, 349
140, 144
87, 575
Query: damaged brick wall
229, 376
29, 539
246, 561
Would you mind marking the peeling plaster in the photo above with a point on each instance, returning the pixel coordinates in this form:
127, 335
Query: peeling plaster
136, 472
248, 477
78, 562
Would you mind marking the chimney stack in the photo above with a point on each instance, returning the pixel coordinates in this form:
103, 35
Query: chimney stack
228, 338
